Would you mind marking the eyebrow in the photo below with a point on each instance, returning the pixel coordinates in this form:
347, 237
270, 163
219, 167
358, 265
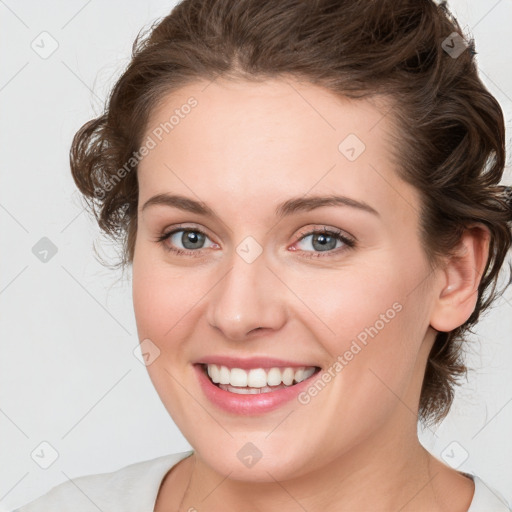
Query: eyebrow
293, 205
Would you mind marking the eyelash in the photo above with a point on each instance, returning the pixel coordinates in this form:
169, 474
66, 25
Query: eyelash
349, 242
335, 233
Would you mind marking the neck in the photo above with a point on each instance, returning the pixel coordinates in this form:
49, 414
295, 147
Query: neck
391, 471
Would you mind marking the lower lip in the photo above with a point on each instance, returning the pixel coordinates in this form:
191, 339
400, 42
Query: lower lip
248, 405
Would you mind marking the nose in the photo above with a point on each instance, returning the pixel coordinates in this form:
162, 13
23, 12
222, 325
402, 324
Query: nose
248, 299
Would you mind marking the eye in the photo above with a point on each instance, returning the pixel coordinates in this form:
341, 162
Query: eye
325, 240
192, 239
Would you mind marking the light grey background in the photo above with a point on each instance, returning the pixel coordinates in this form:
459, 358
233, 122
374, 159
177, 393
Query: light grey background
68, 373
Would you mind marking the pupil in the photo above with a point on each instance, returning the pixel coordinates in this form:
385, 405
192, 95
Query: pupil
324, 240
191, 237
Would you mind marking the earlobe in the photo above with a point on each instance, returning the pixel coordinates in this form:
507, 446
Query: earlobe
457, 292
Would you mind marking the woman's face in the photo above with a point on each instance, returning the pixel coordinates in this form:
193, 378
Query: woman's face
260, 284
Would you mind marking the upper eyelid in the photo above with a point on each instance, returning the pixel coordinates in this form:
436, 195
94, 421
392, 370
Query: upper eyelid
326, 229
179, 228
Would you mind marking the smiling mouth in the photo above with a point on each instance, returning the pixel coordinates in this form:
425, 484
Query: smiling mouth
256, 380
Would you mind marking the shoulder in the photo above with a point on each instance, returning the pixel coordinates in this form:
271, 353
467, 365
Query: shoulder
487, 499
131, 488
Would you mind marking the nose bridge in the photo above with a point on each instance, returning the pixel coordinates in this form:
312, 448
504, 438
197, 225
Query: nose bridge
247, 297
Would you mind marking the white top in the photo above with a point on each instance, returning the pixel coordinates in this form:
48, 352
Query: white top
134, 488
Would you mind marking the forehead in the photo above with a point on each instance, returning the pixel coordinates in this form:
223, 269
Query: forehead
271, 140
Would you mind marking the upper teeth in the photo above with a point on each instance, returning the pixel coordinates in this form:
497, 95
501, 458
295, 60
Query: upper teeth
258, 377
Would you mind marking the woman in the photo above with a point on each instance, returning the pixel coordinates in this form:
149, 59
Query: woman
308, 194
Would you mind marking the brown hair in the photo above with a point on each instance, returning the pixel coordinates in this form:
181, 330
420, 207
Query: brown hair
450, 134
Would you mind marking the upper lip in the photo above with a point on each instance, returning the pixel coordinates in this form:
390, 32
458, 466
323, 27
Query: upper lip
248, 363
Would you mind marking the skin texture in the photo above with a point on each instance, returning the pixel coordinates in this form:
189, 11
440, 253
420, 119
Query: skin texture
245, 148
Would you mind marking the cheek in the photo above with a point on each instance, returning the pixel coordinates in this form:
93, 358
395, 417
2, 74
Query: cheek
367, 318
351, 299
163, 303
377, 333
163, 297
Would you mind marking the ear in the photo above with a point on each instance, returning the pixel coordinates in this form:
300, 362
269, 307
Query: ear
457, 289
